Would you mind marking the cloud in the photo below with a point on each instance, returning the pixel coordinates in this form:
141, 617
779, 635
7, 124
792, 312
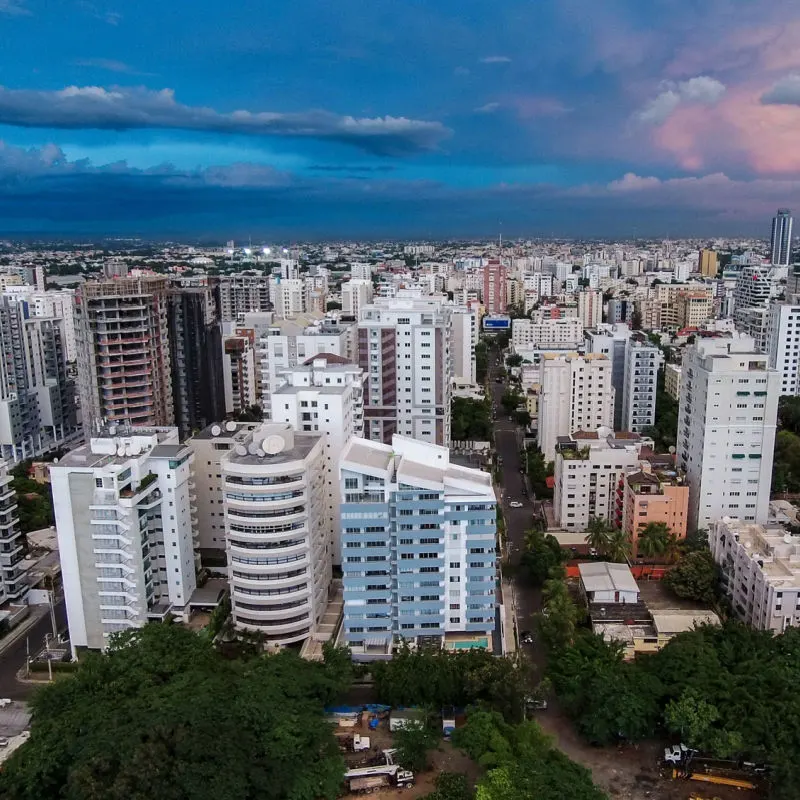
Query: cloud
630, 182
535, 106
785, 92
93, 107
701, 90
495, 60
110, 65
13, 8
489, 108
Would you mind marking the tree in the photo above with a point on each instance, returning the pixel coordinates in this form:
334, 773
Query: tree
636, 318
598, 533
450, 786
510, 400
618, 548
695, 577
481, 361
691, 717
333, 305
470, 420
252, 413
413, 743
652, 540
542, 554
162, 714
514, 360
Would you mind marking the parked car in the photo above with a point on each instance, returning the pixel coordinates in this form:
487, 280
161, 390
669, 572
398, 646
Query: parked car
536, 704
515, 504
526, 637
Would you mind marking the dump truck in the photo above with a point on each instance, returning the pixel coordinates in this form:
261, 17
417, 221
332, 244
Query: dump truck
352, 742
368, 779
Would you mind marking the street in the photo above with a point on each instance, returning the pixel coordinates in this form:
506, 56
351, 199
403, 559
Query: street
13, 657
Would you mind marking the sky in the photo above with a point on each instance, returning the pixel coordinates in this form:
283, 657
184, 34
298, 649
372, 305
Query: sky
414, 119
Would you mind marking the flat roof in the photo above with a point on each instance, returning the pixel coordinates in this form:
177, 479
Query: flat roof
603, 576
369, 455
168, 450
671, 622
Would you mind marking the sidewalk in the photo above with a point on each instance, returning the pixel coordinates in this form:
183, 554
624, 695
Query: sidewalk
37, 612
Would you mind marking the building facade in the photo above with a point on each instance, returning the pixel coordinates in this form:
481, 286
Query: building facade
404, 350
13, 581
642, 362
495, 278
780, 244
277, 541
122, 339
576, 395
783, 344
124, 505
726, 429
418, 543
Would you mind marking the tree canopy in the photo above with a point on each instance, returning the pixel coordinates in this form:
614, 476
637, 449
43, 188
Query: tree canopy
695, 577
162, 714
470, 420
542, 554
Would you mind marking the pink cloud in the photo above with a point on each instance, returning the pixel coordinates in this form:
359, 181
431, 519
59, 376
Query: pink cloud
536, 106
739, 131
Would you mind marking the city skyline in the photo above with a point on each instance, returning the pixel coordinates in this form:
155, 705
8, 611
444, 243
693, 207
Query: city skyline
561, 119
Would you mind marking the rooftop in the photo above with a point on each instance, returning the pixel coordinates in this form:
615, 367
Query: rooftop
604, 576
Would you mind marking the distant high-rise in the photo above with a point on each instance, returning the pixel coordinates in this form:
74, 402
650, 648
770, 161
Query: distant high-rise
494, 287
780, 246
707, 263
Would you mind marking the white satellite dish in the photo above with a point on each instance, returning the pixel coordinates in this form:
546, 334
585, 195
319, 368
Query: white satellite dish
273, 445
136, 447
252, 448
259, 435
216, 430
230, 426
121, 450
240, 450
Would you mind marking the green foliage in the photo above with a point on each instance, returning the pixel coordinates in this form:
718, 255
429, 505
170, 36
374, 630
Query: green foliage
481, 362
413, 744
560, 617
665, 431
618, 547
510, 400
598, 534
695, 577
514, 360
653, 539
470, 420
542, 554
450, 786
35, 501
435, 678
162, 714
789, 413
522, 418
730, 690
522, 762
333, 305
786, 462
538, 472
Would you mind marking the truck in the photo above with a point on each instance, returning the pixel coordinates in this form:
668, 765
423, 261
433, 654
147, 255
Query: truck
352, 742
368, 779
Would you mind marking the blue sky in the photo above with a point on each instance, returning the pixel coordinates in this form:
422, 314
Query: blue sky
380, 118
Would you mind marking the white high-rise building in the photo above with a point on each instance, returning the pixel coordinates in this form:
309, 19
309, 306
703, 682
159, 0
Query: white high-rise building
325, 395
753, 289
612, 340
13, 580
243, 293
555, 334
362, 270
54, 303
282, 343
465, 337
238, 373
726, 430
356, 294
404, 350
123, 506
783, 344
576, 395
277, 536
642, 362
590, 307
289, 297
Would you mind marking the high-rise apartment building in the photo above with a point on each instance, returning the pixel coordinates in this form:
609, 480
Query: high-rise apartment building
289, 297
195, 340
277, 537
243, 293
642, 362
590, 307
726, 429
464, 338
494, 286
576, 395
707, 263
418, 544
54, 303
611, 340
588, 470
783, 344
325, 395
13, 580
122, 339
780, 245
123, 506
753, 290
238, 372
356, 294
404, 350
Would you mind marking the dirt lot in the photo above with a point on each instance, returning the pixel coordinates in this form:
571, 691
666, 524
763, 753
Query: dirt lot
631, 772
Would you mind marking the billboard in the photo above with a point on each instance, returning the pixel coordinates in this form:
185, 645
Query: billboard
497, 322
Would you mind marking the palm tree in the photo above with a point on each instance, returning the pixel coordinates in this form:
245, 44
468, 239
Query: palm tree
597, 534
673, 549
653, 539
618, 547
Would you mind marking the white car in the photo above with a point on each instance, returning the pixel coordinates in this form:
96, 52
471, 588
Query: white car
677, 753
515, 504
